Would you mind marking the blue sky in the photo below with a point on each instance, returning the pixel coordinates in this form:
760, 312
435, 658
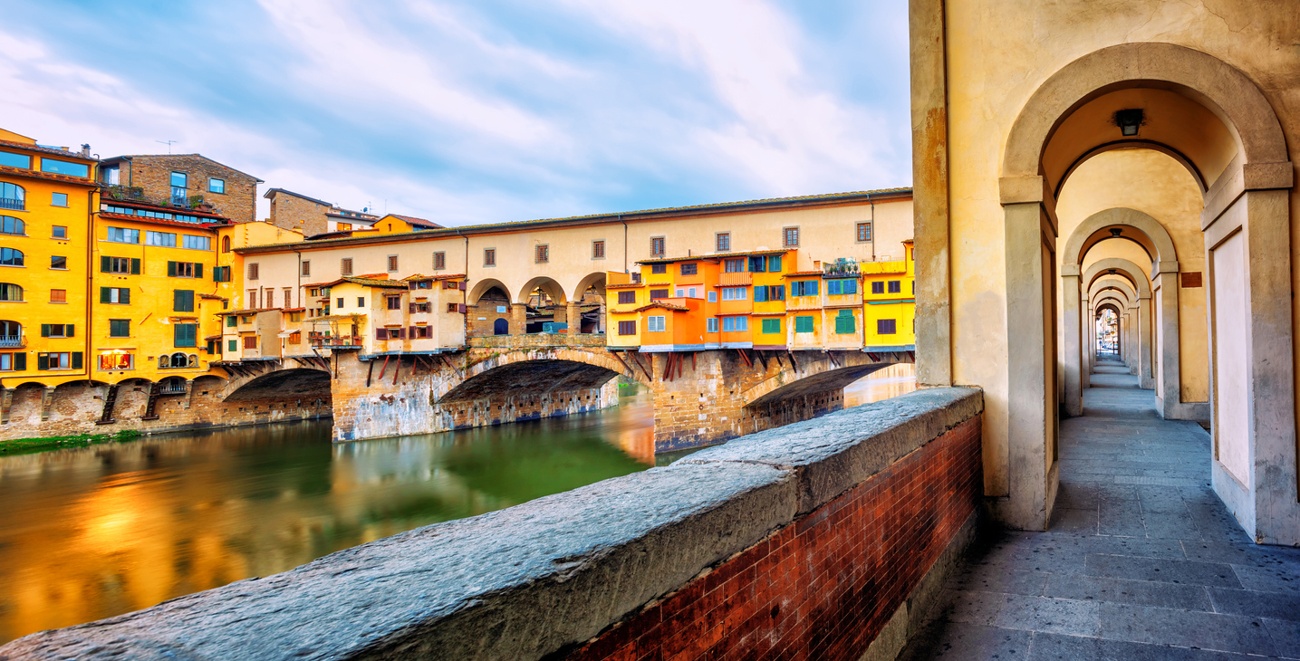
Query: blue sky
465, 112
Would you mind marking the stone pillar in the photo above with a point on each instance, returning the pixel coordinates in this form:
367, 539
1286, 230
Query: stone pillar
1171, 379
188, 399
6, 403
1146, 378
1073, 341
47, 401
518, 319
573, 317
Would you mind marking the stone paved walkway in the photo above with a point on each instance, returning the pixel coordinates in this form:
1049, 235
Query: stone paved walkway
1142, 560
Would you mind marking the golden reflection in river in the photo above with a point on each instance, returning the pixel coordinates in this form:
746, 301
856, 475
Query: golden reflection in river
889, 382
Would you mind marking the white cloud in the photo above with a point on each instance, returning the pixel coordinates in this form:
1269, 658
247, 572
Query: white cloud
789, 135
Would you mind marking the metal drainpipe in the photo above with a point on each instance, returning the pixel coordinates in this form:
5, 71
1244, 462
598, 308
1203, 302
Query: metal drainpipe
90, 276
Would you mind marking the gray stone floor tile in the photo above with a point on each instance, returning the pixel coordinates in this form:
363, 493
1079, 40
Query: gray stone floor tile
1268, 579
1120, 518
1171, 525
999, 578
1141, 593
1162, 570
1074, 521
1279, 605
1054, 647
967, 642
1183, 628
1014, 611
1285, 635
1244, 553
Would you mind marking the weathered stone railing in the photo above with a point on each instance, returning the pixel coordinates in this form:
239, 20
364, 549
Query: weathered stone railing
824, 535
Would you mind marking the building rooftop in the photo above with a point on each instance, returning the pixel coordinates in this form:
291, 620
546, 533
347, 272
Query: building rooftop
629, 216
128, 157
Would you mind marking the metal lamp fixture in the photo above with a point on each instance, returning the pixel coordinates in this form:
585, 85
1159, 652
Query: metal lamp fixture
1129, 121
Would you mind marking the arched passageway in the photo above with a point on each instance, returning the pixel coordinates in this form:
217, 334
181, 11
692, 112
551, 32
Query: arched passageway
1179, 103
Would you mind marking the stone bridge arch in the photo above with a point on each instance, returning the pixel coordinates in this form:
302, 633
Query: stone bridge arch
803, 375
294, 377
536, 370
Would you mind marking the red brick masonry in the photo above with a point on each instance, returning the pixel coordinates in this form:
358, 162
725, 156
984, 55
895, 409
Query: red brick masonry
824, 586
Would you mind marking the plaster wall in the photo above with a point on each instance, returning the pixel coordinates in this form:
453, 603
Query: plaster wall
1232, 405
998, 52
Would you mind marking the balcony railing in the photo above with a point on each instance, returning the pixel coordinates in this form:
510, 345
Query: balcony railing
12, 341
318, 340
12, 203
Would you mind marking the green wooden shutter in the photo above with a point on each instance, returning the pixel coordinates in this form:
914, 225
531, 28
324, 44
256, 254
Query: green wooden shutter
198, 270
103, 295
135, 266
76, 360
124, 295
42, 361
70, 330
20, 362
104, 263
171, 269
45, 330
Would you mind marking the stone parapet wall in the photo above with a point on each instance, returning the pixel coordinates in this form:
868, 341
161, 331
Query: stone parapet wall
808, 541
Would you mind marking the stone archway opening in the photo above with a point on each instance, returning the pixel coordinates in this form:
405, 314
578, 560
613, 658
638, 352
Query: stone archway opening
1230, 141
544, 305
489, 309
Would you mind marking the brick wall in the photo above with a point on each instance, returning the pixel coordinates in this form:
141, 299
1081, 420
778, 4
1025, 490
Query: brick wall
824, 586
300, 214
152, 173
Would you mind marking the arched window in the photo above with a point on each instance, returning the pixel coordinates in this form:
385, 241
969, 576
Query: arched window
179, 360
11, 257
194, 360
10, 292
164, 361
11, 225
11, 333
225, 244
12, 196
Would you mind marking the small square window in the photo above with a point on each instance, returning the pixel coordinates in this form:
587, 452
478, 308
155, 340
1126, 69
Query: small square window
58, 296
361, 302
306, 267
543, 254
59, 200
217, 186
791, 237
489, 257
392, 263
864, 232
657, 246
439, 261
59, 231
345, 266
658, 268
58, 262
723, 243
598, 249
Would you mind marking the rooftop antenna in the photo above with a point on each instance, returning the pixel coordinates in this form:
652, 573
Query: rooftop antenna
168, 143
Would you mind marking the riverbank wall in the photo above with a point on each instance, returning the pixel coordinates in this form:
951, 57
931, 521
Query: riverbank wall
828, 539
34, 411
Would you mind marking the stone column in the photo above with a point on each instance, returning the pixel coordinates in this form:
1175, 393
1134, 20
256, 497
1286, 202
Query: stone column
1146, 379
518, 319
6, 403
573, 317
1171, 379
1073, 341
188, 399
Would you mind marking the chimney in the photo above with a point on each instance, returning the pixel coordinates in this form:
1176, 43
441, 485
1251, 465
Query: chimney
85, 150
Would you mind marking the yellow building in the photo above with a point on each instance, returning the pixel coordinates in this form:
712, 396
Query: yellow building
889, 305
153, 284
47, 199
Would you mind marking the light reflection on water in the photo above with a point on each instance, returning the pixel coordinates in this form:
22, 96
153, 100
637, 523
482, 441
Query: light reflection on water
93, 532
889, 382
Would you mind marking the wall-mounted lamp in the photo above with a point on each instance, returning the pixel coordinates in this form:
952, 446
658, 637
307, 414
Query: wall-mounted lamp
1111, 271
1128, 121
1115, 232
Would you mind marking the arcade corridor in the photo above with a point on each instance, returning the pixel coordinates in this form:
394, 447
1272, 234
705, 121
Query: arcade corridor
1142, 560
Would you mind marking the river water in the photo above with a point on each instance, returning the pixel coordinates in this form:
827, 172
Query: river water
94, 532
